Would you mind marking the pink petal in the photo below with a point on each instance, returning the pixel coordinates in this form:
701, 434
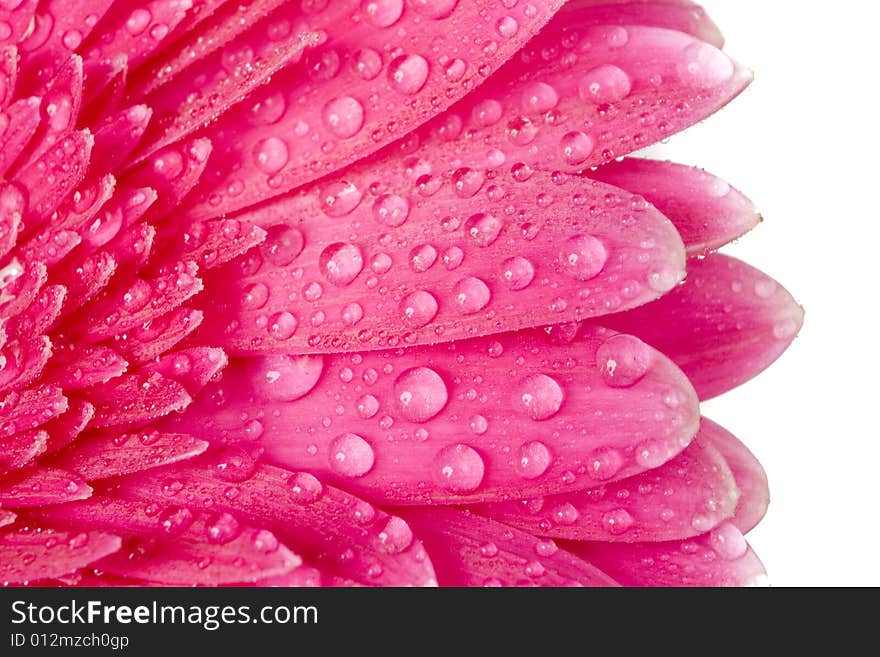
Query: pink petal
6, 517
49, 246
62, 99
63, 166
334, 531
458, 267
104, 83
707, 212
452, 424
8, 74
105, 455
123, 209
174, 545
85, 277
18, 19
21, 448
680, 15
133, 246
12, 206
125, 306
117, 135
470, 550
29, 409
149, 341
224, 79
34, 554
689, 495
22, 120
135, 30
214, 242
725, 325
64, 428
135, 399
720, 558
24, 360
75, 367
201, 33
40, 315
349, 98
192, 368
21, 286
42, 486
751, 480
83, 205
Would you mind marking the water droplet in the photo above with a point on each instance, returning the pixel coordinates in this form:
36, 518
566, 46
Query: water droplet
138, 21
487, 113
304, 488
391, 210
576, 147
507, 27
383, 13
396, 535
728, 542
351, 456
418, 308
582, 257
339, 198
489, 550
565, 514
455, 70
282, 245
534, 459
654, 453
421, 394
539, 97
312, 291
452, 258
175, 520
478, 424
255, 296
222, 528
282, 325
623, 360
483, 228
538, 396
704, 66
517, 272
617, 521
341, 263
352, 314
605, 84
546, 547
467, 182
459, 468
408, 73
422, 258
234, 464
271, 155
471, 295
367, 406
344, 116
282, 377
436, 9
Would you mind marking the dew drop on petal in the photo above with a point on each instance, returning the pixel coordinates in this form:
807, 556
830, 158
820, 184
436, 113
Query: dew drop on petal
517, 272
582, 257
391, 210
539, 97
728, 542
282, 245
436, 9
344, 116
623, 360
538, 396
483, 228
471, 295
418, 308
534, 459
341, 263
304, 488
408, 73
283, 377
420, 394
458, 468
576, 147
383, 13
422, 258
351, 456
339, 198
704, 66
605, 84
271, 155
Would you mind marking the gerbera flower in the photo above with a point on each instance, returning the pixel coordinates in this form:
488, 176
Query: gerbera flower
339, 292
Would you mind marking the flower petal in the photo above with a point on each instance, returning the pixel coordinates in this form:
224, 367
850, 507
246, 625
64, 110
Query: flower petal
135, 399
403, 271
6, 517
455, 424
348, 99
725, 325
64, 428
109, 454
8, 74
689, 495
751, 480
154, 338
334, 531
470, 550
24, 360
720, 558
37, 553
42, 486
214, 242
19, 19
31, 408
117, 135
75, 366
23, 118
707, 212
173, 545
681, 15
12, 206
21, 448
193, 368
40, 315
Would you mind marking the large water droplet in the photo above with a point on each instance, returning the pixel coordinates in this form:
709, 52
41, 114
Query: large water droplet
222, 528
418, 308
459, 468
471, 295
582, 257
534, 459
623, 360
341, 263
344, 116
420, 394
435, 9
517, 272
576, 147
282, 377
539, 97
271, 155
483, 228
538, 396
383, 13
282, 245
282, 325
408, 73
396, 536
351, 456
391, 209
422, 258
704, 66
339, 198
617, 521
605, 84
728, 542
304, 488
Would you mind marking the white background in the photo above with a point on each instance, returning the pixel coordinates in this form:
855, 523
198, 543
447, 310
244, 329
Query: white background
802, 142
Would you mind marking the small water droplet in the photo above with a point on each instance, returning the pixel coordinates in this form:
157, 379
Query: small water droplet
538, 396
623, 360
459, 468
582, 257
271, 155
420, 393
341, 263
344, 116
534, 459
418, 308
517, 272
351, 456
471, 295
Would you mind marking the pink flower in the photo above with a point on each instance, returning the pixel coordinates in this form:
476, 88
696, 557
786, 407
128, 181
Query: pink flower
338, 292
